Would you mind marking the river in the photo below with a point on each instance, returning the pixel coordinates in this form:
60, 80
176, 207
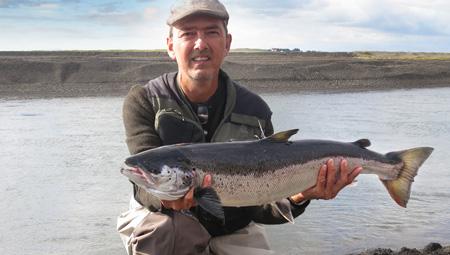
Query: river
61, 189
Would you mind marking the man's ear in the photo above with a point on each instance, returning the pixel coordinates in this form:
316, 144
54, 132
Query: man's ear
169, 44
228, 42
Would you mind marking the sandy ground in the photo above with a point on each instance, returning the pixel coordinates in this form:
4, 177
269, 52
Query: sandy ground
90, 73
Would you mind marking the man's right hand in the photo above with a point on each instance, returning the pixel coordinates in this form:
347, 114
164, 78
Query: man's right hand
187, 201
329, 183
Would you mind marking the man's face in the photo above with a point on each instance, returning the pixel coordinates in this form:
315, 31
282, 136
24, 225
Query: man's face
199, 44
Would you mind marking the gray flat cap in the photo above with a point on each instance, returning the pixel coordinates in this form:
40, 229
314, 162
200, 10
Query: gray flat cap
184, 8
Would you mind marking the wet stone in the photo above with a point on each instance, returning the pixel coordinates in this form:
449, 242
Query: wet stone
444, 251
408, 251
378, 251
432, 247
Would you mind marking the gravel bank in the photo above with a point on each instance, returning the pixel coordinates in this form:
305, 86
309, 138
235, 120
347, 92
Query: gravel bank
91, 73
430, 249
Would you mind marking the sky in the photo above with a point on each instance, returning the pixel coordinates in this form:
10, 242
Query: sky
317, 25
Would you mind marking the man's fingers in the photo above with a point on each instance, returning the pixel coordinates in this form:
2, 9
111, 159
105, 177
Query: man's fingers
347, 176
165, 203
343, 173
344, 168
331, 180
185, 202
207, 181
354, 174
175, 205
331, 173
322, 178
189, 198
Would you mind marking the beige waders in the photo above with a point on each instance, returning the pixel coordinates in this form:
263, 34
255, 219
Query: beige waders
153, 233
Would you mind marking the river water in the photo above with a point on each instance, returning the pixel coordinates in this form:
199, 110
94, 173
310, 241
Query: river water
61, 190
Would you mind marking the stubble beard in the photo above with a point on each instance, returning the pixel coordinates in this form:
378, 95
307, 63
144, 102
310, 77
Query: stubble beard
200, 76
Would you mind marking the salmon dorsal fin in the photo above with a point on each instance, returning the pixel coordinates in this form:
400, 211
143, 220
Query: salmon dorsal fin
282, 137
362, 143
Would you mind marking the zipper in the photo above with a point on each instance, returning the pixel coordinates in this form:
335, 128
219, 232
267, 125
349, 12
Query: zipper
229, 106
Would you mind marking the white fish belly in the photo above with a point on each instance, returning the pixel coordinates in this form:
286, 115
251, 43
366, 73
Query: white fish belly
258, 189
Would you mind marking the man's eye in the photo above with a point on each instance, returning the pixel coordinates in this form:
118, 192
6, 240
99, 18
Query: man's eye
213, 32
187, 34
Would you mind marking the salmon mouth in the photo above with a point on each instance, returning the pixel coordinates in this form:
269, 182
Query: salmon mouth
137, 171
134, 172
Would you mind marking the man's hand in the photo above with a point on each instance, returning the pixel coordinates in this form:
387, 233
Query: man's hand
187, 201
329, 182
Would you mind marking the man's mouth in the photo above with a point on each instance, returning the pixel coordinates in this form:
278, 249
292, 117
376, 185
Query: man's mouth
201, 58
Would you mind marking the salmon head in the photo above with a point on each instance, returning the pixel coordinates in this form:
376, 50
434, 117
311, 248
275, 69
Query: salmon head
167, 175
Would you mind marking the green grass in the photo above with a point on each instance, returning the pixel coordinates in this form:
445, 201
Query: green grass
379, 55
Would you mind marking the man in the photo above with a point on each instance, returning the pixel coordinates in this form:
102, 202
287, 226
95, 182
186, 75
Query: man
200, 103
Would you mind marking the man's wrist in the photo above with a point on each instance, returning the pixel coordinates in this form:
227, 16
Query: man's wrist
297, 202
298, 198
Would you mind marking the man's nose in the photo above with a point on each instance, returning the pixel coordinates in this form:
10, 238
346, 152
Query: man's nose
200, 44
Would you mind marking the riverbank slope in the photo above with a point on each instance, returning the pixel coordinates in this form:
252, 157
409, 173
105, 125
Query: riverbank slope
95, 73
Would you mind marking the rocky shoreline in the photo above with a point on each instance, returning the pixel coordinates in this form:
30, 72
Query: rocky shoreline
430, 249
112, 73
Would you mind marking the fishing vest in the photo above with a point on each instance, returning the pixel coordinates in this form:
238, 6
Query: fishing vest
176, 122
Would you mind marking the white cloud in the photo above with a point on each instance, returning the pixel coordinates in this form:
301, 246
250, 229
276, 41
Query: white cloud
345, 26
47, 6
326, 25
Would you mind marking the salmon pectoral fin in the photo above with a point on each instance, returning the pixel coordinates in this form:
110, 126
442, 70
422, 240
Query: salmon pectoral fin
208, 199
400, 188
284, 208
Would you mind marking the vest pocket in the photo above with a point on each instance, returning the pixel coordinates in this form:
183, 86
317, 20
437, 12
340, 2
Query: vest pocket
174, 128
236, 132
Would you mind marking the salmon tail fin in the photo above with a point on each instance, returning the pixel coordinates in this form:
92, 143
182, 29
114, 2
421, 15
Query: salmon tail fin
400, 188
208, 199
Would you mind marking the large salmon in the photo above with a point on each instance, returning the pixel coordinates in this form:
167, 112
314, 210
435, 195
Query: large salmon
258, 172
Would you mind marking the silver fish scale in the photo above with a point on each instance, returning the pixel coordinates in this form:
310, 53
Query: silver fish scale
255, 189
251, 189
259, 172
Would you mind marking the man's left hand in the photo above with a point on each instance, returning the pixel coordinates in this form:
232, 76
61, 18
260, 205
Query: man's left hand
187, 201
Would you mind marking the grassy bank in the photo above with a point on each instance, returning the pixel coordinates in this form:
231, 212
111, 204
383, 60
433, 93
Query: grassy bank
373, 55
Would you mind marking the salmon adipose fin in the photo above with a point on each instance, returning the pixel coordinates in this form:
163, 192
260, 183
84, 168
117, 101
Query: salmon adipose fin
400, 188
363, 143
208, 199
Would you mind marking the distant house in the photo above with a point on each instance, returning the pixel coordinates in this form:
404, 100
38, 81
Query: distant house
285, 50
